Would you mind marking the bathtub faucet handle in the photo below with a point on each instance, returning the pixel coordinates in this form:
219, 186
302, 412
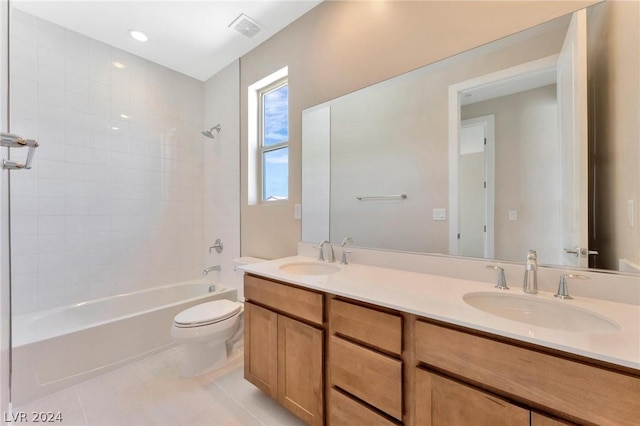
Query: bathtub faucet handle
211, 268
217, 245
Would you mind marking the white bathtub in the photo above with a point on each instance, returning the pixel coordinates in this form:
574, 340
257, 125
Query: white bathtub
60, 347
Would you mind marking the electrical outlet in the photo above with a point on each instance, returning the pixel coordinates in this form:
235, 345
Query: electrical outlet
439, 214
297, 211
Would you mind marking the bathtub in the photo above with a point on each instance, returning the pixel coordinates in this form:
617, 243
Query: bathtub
60, 347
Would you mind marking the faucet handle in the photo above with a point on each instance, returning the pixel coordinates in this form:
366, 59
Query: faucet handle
344, 257
563, 288
502, 280
345, 252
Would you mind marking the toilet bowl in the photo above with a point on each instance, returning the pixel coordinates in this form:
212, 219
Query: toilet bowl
205, 330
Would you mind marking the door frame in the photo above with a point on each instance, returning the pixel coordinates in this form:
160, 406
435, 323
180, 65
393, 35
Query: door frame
456, 91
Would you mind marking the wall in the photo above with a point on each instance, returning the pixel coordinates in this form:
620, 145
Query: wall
527, 173
615, 132
103, 211
222, 173
339, 47
392, 138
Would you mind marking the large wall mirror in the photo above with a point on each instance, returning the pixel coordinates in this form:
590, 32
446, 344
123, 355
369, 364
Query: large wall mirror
491, 152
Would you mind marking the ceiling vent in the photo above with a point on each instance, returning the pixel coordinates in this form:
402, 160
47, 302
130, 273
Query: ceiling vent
245, 26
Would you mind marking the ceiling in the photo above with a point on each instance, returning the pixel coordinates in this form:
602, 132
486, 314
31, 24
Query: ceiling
191, 37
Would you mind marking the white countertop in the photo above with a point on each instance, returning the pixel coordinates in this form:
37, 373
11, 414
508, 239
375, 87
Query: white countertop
440, 298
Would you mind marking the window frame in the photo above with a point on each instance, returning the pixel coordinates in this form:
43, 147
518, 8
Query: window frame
265, 149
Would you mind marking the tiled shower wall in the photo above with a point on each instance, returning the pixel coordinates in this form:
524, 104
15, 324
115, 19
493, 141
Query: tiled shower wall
222, 173
114, 201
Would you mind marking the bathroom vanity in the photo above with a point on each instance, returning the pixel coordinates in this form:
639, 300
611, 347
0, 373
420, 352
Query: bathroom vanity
340, 348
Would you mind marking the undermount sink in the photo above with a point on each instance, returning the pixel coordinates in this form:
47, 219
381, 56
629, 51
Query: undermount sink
309, 268
541, 313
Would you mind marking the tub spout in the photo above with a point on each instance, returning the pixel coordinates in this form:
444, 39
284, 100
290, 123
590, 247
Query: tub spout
211, 268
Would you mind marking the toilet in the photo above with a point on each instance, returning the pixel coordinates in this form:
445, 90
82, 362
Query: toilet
209, 331
205, 330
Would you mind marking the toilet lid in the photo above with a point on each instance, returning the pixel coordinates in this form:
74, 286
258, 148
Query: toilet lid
207, 313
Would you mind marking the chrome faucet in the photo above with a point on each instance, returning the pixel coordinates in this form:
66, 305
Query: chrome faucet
332, 256
345, 252
563, 288
530, 283
502, 280
211, 268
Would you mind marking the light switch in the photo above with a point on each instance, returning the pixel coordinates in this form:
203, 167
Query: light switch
297, 211
513, 214
439, 214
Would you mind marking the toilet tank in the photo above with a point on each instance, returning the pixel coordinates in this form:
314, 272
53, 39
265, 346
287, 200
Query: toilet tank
239, 274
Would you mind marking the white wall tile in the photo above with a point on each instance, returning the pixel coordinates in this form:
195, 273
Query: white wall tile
51, 94
51, 59
47, 113
23, 206
103, 211
24, 225
50, 243
51, 36
51, 225
49, 188
24, 264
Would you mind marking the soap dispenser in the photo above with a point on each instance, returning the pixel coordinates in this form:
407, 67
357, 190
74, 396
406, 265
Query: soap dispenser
530, 283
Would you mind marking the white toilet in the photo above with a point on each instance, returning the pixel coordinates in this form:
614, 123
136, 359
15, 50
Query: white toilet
211, 329
205, 330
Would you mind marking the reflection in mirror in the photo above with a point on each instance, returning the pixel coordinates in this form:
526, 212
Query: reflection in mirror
503, 188
423, 134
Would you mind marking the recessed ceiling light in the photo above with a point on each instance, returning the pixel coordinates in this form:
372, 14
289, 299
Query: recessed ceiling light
115, 128
119, 65
138, 35
125, 116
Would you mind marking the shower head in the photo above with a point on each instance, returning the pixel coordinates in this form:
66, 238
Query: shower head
209, 133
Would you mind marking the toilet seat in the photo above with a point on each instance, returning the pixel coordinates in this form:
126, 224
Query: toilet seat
207, 314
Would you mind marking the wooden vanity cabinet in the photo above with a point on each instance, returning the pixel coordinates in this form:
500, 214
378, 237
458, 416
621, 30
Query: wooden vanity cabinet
340, 362
365, 363
529, 376
283, 354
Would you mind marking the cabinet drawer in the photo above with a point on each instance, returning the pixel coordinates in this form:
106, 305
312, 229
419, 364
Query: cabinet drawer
368, 375
375, 328
346, 411
440, 401
297, 302
586, 393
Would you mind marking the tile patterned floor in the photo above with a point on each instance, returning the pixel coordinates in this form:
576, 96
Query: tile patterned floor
151, 392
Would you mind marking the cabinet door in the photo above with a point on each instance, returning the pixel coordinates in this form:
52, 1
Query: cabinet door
300, 384
443, 402
261, 348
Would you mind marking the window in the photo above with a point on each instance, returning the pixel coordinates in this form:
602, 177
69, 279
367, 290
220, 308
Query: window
268, 139
273, 140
